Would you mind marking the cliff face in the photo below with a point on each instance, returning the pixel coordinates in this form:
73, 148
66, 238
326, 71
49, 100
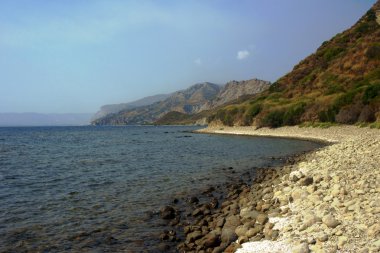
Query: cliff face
182, 104
235, 89
186, 101
340, 82
115, 108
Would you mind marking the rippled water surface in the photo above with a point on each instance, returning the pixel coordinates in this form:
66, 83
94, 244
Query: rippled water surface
90, 189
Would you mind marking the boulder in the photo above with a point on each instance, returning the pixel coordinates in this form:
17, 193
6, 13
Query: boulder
228, 235
302, 248
330, 221
212, 239
167, 213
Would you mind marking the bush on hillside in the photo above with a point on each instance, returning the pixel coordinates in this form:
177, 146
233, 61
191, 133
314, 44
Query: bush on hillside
330, 53
367, 114
293, 114
371, 93
327, 115
348, 114
373, 52
274, 119
251, 112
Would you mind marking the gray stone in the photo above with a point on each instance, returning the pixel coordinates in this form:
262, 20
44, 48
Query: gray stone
302, 248
193, 236
232, 222
228, 235
253, 231
262, 219
241, 230
373, 230
211, 240
330, 221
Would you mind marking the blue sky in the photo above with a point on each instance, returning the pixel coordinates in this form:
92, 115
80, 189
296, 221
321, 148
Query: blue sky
76, 55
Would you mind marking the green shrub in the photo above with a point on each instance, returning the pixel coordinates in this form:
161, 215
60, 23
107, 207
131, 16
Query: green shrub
371, 93
276, 87
373, 52
333, 89
228, 120
361, 83
331, 53
293, 114
344, 99
327, 115
362, 28
254, 110
251, 113
274, 119
332, 83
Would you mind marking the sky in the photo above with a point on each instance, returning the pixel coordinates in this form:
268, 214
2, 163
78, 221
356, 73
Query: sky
73, 56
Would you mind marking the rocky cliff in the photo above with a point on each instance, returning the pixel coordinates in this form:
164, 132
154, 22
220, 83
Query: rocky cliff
235, 89
115, 108
185, 101
181, 105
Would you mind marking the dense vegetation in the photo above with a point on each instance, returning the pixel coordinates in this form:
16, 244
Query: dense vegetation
339, 83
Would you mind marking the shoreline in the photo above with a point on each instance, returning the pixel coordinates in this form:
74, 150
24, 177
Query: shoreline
313, 205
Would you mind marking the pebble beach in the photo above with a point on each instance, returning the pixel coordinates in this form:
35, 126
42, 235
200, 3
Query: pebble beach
325, 201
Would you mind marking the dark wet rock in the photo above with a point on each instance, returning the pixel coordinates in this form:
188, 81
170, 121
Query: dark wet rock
193, 236
228, 235
193, 200
174, 222
220, 249
220, 222
187, 229
232, 222
214, 203
163, 247
167, 213
306, 181
197, 212
164, 236
212, 239
209, 190
110, 240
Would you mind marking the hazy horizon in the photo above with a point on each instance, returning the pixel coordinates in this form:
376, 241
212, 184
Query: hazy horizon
75, 56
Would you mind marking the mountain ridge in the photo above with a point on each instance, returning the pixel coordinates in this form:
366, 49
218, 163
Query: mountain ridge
115, 108
195, 99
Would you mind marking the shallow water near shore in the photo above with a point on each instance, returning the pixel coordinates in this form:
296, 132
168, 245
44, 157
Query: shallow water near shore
90, 189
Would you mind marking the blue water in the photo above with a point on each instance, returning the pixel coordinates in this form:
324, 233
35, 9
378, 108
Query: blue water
89, 189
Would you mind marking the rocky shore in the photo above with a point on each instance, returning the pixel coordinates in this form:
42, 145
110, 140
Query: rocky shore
325, 201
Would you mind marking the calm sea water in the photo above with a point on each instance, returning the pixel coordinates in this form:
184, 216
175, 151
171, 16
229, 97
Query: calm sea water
89, 189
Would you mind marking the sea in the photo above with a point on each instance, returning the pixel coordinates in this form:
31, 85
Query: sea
97, 189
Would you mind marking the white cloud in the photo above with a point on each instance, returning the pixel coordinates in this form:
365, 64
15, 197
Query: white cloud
198, 61
242, 54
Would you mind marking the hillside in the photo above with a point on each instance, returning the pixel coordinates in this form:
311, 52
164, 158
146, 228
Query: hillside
115, 108
340, 83
185, 101
186, 106
235, 89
